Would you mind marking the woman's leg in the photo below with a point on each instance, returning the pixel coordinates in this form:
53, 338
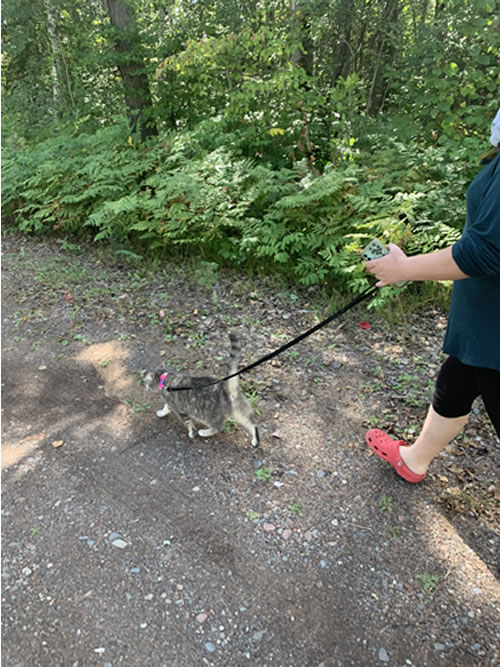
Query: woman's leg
436, 433
488, 382
456, 389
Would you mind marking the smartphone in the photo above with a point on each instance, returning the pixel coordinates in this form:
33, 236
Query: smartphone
375, 250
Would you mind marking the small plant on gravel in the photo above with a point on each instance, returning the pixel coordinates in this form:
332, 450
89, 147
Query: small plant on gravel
385, 504
428, 582
295, 508
253, 399
394, 531
293, 354
137, 407
228, 426
251, 516
206, 275
264, 474
67, 246
138, 281
196, 340
82, 338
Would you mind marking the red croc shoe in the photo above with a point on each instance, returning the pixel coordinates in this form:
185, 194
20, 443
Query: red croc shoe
388, 449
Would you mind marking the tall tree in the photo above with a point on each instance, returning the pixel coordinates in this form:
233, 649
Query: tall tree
130, 62
384, 54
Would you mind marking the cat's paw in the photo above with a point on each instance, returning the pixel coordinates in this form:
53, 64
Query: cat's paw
163, 412
207, 432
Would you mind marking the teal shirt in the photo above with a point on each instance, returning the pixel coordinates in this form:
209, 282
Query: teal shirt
473, 332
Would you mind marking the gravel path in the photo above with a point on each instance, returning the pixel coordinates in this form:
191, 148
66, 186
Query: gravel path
126, 543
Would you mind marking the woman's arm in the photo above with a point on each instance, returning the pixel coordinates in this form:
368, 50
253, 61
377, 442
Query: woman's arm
397, 266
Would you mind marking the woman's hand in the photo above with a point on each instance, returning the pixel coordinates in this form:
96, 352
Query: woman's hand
389, 269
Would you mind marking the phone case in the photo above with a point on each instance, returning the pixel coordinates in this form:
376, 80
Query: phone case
375, 250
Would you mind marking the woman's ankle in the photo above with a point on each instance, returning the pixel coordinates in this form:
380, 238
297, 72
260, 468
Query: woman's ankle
413, 461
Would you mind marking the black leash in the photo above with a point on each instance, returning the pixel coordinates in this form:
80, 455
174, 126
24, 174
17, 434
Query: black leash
365, 294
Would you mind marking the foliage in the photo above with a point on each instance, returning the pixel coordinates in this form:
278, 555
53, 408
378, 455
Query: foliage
288, 135
188, 194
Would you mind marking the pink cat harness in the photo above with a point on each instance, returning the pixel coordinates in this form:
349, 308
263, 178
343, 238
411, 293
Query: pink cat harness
163, 377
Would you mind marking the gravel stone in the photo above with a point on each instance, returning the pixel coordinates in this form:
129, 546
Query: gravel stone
383, 656
121, 544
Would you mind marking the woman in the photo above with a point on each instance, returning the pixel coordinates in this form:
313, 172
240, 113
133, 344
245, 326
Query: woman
473, 333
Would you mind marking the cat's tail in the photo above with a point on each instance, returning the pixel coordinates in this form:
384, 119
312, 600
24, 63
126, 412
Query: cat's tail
234, 360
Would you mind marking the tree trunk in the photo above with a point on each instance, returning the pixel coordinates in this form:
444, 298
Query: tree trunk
51, 29
130, 64
385, 55
303, 57
343, 54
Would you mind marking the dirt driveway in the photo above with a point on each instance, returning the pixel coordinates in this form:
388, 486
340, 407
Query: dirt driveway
126, 543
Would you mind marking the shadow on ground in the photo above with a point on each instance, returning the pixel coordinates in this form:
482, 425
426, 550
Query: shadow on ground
196, 580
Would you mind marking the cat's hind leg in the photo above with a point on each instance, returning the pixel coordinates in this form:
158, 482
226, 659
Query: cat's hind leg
250, 426
207, 432
188, 423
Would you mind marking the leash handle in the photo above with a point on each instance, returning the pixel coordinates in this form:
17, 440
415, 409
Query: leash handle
365, 294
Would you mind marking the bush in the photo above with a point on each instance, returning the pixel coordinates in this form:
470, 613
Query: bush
189, 192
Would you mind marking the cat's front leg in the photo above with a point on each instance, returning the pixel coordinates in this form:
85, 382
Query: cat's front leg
190, 428
164, 411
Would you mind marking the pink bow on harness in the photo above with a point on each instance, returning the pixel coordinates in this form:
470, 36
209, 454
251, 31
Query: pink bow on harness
163, 377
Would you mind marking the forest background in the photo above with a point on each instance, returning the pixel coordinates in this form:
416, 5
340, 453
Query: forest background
276, 135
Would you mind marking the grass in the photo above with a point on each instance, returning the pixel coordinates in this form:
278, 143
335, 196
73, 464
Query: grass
264, 474
135, 408
196, 341
59, 273
385, 504
394, 532
295, 508
229, 426
253, 399
428, 582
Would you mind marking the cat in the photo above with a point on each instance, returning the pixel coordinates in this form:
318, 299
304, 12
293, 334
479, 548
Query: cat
210, 406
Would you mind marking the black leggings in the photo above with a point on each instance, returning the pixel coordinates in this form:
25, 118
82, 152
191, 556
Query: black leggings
458, 385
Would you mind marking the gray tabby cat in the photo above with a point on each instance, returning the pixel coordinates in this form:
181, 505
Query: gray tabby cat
211, 406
